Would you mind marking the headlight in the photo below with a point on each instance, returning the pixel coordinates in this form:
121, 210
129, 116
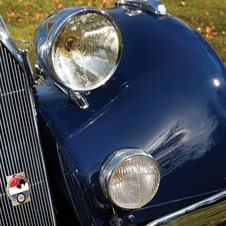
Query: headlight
130, 178
79, 47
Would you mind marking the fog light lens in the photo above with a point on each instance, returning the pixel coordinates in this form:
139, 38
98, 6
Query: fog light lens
130, 178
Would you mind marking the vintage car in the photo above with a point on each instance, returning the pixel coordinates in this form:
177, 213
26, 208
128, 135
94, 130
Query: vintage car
124, 124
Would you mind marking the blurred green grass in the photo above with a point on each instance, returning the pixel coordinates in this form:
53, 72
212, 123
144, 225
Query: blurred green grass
23, 17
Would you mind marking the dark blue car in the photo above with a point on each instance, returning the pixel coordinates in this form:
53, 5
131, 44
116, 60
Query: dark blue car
123, 121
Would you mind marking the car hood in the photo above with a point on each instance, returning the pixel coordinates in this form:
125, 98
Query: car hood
165, 97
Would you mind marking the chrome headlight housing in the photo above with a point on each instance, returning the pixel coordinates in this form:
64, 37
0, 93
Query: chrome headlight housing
130, 178
80, 47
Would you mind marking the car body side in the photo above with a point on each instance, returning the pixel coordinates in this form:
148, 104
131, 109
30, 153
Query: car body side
167, 97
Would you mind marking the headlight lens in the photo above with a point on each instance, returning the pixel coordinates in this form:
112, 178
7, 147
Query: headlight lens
130, 178
84, 47
85, 51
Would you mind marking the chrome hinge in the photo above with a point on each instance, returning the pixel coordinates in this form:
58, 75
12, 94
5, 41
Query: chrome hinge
77, 97
153, 6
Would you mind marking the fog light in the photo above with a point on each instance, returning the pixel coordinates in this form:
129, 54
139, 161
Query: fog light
130, 178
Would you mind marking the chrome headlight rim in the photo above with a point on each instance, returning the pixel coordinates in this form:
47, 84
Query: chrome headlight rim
45, 56
113, 161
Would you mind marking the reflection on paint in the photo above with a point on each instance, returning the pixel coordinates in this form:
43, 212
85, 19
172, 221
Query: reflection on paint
216, 82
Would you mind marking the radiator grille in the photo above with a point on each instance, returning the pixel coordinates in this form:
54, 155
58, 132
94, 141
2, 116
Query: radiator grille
19, 147
75, 191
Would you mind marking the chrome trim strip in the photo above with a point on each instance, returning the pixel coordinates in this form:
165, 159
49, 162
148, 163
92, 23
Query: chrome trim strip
3, 27
25, 57
183, 213
5, 38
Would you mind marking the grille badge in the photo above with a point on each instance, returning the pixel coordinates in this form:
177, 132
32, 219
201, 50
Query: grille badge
18, 188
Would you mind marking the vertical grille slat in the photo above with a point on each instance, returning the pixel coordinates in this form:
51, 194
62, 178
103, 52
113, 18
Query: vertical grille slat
20, 149
19, 105
22, 114
5, 141
77, 197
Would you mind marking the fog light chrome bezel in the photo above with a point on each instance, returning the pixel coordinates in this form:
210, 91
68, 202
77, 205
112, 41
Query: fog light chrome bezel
113, 161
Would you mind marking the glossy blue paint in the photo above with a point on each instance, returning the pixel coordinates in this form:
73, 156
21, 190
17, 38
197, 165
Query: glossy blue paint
167, 97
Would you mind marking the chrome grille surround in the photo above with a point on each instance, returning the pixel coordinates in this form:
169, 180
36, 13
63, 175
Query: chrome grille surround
20, 149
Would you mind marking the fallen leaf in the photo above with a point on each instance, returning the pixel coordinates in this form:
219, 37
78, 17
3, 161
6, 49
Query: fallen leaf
202, 23
208, 30
102, 6
37, 15
203, 31
223, 32
26, 5
8, 20
192, 18
215, 33
89, 3
182, 3
209, 38
221, 12
212, 7
106, 1
207, 13
223, 59
75, 3
1, 2
20, 20
200, 8
20, 1
12, 14
60, 5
